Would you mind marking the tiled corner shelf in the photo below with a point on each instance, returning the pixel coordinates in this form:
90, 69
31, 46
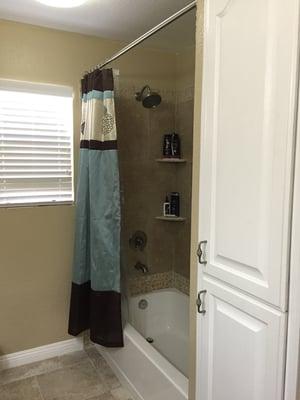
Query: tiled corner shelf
171, 160
171, 219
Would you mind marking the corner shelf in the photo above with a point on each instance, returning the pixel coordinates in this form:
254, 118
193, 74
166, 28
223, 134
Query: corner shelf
171, 160
171, 219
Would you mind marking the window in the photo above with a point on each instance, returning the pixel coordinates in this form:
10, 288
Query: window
36, 144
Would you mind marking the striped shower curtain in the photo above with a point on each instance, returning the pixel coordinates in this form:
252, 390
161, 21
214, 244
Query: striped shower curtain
95, 297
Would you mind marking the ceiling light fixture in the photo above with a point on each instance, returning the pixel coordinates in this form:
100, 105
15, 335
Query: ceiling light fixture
62, 3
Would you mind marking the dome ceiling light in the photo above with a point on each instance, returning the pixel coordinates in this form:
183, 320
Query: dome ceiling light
62, 3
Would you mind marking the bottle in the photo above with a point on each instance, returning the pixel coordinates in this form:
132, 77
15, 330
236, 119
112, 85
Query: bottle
175, 204
167, 149
175, 145
166, 207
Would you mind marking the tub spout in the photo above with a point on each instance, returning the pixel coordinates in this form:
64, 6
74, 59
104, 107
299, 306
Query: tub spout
141, 267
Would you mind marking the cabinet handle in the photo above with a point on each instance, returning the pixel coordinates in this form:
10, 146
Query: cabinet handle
201, 253
200, 303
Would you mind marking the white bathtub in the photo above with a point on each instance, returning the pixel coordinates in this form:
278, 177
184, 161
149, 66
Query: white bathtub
155, 371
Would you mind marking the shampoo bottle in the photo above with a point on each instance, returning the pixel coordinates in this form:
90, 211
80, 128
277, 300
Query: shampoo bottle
166, 207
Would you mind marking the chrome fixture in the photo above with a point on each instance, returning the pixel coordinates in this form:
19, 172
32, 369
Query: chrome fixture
141, 267
138, 240
146, 35
148, 98
143, 304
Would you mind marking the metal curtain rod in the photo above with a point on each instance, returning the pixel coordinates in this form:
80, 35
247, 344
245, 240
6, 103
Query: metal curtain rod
146, 35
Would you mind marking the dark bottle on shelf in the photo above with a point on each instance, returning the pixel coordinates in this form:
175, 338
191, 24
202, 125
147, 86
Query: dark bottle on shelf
167, 146
175, 204
175, 145
166, 207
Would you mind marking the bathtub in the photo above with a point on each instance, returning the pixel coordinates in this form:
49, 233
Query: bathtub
157, 370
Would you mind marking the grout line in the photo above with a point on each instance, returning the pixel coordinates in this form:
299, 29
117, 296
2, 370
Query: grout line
39, 388
24, 376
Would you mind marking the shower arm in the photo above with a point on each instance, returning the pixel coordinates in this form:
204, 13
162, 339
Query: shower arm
145, 36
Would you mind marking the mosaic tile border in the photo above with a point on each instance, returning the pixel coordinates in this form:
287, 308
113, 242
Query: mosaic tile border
162, 280
147, 283
181, 283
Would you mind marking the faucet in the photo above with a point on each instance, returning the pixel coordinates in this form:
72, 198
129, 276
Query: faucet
141, 267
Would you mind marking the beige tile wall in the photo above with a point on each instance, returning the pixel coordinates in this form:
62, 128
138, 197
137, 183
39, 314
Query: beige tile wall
145, 182
184, 126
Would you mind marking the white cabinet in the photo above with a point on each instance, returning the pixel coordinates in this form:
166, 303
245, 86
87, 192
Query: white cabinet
242, 347
246, 174
250, 62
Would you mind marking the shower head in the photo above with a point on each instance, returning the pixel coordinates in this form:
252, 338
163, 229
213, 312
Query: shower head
148, 98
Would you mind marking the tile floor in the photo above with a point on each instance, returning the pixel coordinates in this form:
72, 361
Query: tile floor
82, 375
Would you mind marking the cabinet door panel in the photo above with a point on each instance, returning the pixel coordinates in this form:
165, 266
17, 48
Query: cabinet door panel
241, 347
247, 139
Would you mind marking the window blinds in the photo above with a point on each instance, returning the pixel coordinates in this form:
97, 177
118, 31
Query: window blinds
36, 137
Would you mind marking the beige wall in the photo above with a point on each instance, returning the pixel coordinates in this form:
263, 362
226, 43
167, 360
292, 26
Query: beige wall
36, 242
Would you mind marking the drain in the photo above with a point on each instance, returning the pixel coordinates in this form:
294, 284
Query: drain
150, 339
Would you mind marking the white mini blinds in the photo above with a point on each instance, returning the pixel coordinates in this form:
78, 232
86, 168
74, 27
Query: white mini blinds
36, 140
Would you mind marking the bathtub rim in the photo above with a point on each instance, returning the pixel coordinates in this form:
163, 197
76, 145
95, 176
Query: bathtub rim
164, 365
170, 290
169, 371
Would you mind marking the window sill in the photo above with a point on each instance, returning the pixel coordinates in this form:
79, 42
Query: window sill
33, 205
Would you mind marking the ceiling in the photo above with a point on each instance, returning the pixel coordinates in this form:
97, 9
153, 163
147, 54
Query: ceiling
114, 19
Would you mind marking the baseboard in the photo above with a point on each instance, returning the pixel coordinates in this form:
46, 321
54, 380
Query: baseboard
40, 353
119, 373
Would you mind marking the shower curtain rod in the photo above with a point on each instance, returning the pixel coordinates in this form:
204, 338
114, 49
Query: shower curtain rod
146, 35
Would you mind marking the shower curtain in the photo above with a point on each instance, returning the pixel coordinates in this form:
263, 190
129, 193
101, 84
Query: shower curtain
95, 296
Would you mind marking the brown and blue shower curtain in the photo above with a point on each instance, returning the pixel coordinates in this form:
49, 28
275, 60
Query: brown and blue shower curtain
95, 297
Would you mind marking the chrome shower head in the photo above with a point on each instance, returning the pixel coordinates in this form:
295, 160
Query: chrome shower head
148, 98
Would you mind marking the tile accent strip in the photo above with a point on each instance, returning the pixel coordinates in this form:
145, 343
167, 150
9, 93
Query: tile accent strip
181, 283
162, 280
147, 283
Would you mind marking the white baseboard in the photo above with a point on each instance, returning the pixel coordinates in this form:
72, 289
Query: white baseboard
119, 373
40, 353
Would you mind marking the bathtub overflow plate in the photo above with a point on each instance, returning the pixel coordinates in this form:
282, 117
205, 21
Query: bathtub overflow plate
150, 339
143, 304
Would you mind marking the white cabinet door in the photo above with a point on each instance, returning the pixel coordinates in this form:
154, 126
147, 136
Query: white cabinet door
241, 347
250, 64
